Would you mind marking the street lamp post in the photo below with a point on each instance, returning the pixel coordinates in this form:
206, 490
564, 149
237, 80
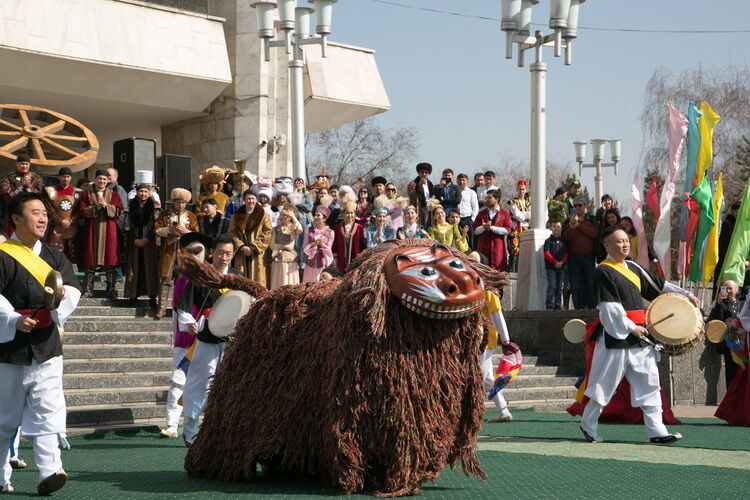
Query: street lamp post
516, 21
597, 147
295, 23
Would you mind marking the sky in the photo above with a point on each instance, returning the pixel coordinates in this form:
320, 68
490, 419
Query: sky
446, 75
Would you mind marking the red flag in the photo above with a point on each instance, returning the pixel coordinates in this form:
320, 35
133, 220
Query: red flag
692, 227
652, 199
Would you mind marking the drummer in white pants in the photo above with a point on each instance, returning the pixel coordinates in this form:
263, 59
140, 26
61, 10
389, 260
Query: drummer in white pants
209, 348
622, 349
197, 245
31, 364
497, 330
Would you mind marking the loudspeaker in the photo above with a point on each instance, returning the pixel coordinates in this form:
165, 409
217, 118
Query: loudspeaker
130, 155
173, 171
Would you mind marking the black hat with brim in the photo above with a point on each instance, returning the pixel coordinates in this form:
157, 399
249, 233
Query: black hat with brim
378, 180
424, 166
193, 237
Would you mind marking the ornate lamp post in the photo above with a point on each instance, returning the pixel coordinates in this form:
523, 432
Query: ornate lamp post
597, 146
295, 23
516, 22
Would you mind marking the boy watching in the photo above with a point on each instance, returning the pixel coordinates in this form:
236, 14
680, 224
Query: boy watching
555, 257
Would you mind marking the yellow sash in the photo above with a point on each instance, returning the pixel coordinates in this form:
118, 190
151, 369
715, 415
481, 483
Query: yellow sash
30, 261
623, 269
492, 304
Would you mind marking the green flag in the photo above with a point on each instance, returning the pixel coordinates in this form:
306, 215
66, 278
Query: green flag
703, 196
739, 246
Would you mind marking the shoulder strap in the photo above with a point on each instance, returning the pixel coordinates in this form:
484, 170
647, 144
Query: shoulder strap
645, 275
35, 265
623, 270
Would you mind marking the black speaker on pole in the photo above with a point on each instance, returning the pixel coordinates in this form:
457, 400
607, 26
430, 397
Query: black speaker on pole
173, 171
133, 154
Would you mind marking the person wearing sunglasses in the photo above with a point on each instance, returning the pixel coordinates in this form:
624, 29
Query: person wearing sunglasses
581, 234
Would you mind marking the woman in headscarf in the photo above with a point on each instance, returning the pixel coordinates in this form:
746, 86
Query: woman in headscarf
318, 244
411, 227
380, 230
284, 261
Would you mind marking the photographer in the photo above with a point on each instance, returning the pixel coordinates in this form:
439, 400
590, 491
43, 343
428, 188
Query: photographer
727, 306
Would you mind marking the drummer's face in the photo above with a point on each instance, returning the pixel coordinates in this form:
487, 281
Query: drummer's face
32, 221
618, 244
222, 255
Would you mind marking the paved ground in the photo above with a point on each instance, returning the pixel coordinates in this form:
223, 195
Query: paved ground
538, 455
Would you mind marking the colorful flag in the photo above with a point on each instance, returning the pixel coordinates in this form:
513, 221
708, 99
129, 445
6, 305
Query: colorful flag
708, 120
677, 129
652, 199
739, 246
693, 146
637, 216
712, 242
703, 197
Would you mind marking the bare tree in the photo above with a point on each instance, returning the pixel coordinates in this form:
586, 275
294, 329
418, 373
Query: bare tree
727, 90
363, 149
509, 170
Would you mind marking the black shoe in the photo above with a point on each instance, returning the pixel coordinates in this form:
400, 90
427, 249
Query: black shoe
669, 438
187, 445
52, 483
17, 463
591, 439
548, 307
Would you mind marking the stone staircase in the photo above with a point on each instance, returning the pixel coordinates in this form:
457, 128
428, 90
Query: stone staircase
118, 359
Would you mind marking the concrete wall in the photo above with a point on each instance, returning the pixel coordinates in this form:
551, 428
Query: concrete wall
252, 109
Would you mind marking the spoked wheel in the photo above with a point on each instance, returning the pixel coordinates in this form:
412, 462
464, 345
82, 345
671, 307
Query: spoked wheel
51, 139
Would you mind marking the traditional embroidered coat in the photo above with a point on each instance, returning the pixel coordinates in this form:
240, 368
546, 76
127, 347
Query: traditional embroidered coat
347, 247
251, 230
99, 240
491, 244
141, 275
169, 242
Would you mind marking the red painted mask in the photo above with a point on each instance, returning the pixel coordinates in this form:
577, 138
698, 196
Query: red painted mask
432, 282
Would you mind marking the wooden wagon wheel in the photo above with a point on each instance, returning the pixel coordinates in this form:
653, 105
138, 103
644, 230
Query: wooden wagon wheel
51, 139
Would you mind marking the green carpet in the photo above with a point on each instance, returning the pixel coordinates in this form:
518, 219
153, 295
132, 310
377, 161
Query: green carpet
710, 433
136, 464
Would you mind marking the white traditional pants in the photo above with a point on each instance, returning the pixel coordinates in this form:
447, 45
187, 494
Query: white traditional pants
608, 367
206, 359
31, 397
488, 375
176, 387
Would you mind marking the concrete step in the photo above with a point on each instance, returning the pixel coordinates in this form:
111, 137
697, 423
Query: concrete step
546, 405
112, 310
81, 398
539, 393
116, 365
110, 381
108, 415
117, 324
105, 351
524, 381
544, 370
122, 338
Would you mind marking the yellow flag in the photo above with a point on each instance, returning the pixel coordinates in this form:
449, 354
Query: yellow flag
712, 242
706, 153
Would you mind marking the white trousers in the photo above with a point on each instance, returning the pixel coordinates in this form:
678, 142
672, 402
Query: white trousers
488, 376
176, 387
206, 359
608, 367
32, 398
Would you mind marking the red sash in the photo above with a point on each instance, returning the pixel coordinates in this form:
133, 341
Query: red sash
42, 317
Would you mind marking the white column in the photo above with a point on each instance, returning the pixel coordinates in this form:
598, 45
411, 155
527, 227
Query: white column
296, 68
598, 183
532, 278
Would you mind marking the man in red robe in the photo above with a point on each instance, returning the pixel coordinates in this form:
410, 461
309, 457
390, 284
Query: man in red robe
491, 228
20, 181
100, 206
64, 201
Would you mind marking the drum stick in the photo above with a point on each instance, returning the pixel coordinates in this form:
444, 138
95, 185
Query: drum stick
665, 318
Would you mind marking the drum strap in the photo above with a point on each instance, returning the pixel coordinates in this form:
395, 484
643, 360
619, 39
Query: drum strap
35, 265
623, 270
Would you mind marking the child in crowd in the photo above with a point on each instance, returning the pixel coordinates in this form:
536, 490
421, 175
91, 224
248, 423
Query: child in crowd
555, 257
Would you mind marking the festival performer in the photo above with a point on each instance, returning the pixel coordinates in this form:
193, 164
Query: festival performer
63, 198
496, 329
209, 349
379, 230
411, 228
212, 180
445, 232
141, 250
318, 244
491, 227
23, 180
420, 190
349, 236
623, 348
31, 365
250, 230
520, 216
197, 245
735, 407
169, 227
100, 206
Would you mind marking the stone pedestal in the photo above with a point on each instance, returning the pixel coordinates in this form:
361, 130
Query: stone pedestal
532, 278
